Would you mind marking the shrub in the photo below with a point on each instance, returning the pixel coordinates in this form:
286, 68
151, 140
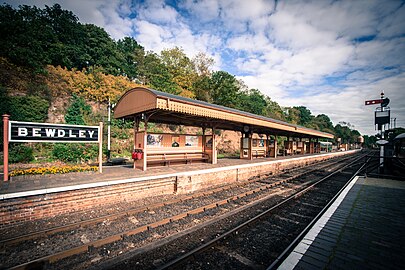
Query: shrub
20, 153
77, 110
75, 152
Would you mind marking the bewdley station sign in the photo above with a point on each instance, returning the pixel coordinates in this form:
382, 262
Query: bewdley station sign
15, 131
42, 132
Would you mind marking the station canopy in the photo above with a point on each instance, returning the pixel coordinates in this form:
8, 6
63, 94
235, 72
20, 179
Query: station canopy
161, 107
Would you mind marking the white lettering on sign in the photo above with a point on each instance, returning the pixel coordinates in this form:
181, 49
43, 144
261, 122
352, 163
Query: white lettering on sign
91, 133
36, 132
82, 134
61, 133
71, 135
50, 132
22, 132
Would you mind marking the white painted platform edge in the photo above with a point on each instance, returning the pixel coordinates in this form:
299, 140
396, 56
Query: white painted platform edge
295, 256
154, 177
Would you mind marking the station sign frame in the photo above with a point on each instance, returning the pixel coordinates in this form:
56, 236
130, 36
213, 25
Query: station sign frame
54, 133
20, 132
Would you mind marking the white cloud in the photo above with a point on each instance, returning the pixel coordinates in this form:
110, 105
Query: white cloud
157, 11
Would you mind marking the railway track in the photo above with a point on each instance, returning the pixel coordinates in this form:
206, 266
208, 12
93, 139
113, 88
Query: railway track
230, 196
252, 244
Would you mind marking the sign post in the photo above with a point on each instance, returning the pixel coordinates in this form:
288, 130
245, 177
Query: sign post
5, 146
100, 149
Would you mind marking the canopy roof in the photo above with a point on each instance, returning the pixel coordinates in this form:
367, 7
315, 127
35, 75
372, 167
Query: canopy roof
161, 107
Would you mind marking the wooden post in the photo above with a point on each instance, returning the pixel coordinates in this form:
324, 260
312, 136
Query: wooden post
6, 118
203, 139
250, 146
214, 147
275, 146
145, 143
100, 149
136, 130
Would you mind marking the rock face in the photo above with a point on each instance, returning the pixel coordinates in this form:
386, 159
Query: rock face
56, 111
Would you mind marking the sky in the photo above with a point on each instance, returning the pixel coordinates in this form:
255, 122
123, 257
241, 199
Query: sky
329, 56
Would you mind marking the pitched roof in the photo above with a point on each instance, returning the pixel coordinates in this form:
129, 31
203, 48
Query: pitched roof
172, 109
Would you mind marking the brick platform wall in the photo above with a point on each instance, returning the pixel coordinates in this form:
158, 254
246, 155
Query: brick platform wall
29, 208
191, 183
20, 210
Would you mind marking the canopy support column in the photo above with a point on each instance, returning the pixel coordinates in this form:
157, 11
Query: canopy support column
145, 143
214, 147
136, 130
203, 140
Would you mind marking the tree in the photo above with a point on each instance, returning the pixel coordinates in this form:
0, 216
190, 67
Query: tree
181, 69
23, 108
202, 67
203, 64
323, 123
155, 74
305, 116
133, 54
273, 110
101, 50
293, 115
224, 89
77, 110
35, 37
252, 101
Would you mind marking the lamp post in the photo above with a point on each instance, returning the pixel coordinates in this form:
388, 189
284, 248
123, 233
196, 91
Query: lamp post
109, 132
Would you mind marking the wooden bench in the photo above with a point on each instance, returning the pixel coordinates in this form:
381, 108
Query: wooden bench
169, 158
259, 153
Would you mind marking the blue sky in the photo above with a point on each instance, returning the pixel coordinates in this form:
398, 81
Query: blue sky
329, 56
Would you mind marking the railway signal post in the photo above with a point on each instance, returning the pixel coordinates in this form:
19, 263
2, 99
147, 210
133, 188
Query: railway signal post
381, 118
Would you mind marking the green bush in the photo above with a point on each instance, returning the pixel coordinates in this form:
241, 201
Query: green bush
77, 111
23, 108
120, 133
20, 153
75, 152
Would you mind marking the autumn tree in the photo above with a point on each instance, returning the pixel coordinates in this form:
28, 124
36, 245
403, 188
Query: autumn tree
202, 64
155, 74
181, 69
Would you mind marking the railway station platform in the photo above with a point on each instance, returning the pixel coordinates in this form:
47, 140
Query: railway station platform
38, 184
30, 198
363, 229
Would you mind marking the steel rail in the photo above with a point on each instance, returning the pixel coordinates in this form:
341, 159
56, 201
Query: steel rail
212, 242
294, 243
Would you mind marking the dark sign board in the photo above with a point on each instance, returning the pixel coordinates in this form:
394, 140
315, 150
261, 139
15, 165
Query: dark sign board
43, 132
382, 117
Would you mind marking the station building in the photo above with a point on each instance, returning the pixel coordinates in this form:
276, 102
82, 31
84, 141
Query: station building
258, 133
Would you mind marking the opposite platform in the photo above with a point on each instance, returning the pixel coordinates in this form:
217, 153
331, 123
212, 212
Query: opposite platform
363, 229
